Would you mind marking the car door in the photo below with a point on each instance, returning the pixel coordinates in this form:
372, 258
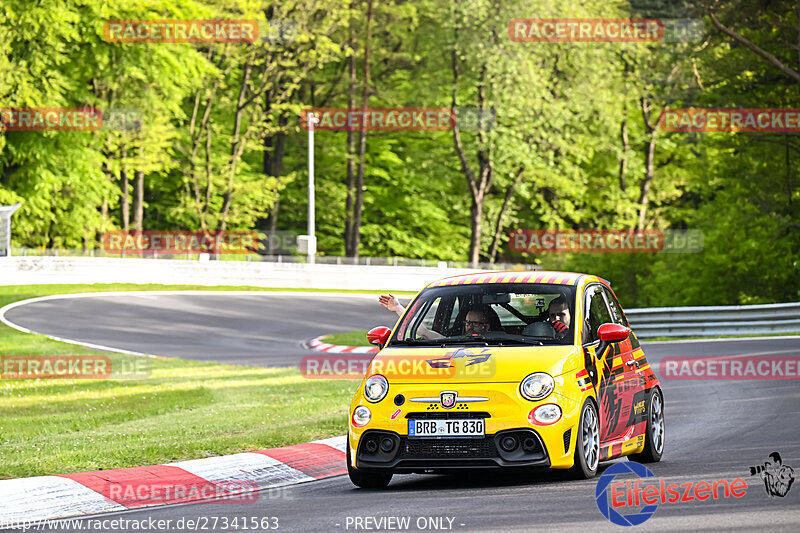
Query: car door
613, 381
633, 359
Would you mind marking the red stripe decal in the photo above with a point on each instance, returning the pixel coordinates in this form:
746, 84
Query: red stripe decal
315, 460
146, 485
524, 278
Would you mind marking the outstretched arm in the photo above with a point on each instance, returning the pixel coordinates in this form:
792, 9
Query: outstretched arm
391, 303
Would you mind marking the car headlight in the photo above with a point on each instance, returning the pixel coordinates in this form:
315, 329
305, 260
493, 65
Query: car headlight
545, 415
375, 388
361, 416
537, 386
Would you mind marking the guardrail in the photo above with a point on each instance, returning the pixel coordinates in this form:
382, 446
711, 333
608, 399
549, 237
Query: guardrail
711, 321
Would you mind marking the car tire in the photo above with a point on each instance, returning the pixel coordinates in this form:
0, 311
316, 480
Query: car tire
654, 434
366, 480
587, 443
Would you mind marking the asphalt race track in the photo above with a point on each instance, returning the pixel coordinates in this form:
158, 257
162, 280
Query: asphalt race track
715, 429
257, 329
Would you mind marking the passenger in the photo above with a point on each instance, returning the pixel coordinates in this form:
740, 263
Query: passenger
558, 313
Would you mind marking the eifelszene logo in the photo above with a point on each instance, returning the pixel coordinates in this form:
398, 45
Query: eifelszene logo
778, 477
607, 505
648, 491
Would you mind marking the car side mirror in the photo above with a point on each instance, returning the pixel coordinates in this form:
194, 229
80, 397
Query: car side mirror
609, 333
379, 336
613, 332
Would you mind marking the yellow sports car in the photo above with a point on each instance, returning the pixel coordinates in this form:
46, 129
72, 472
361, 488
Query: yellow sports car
505, 370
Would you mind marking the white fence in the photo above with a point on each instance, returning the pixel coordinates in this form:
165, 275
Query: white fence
53, 270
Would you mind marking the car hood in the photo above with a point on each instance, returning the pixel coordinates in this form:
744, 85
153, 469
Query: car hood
455, 364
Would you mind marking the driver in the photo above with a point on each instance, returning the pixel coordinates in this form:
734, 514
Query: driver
481, 319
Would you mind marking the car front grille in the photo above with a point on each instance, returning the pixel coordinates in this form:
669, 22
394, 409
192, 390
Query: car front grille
449, 415
446, 448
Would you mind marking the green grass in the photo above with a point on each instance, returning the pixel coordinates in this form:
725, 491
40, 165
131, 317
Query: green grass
349, 338
183, 410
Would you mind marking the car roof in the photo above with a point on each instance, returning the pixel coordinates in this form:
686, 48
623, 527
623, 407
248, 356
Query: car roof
515, 276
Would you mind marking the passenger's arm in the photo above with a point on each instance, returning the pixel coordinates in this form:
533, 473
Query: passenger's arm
391, 303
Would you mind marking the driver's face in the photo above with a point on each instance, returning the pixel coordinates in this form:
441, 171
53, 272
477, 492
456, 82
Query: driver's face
560, 313
476, 322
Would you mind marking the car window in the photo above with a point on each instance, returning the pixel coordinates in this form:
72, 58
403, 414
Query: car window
430, 315
597, 313
513, 312
616, 310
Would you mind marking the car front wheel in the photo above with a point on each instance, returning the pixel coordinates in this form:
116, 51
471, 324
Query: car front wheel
587, 444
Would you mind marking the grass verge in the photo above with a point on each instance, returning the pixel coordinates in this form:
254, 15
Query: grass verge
348, 338
183, 410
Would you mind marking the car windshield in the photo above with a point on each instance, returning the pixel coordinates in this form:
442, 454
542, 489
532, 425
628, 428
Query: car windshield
496, 314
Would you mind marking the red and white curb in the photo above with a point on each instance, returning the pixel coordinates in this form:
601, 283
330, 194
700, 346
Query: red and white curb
320, 346
51, 497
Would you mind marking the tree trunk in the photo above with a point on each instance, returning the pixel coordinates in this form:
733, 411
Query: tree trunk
236, 148
351, 145
623, 163
475, 218
123, 183
274, 148
267, 168
788, 177
362, 148
649, 157
498, 227
138, 200
480, 184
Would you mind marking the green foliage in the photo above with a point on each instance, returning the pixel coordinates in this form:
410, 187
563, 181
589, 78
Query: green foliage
222, 146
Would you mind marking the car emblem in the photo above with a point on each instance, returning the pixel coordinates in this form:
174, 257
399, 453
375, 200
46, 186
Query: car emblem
472, 357
448, 399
